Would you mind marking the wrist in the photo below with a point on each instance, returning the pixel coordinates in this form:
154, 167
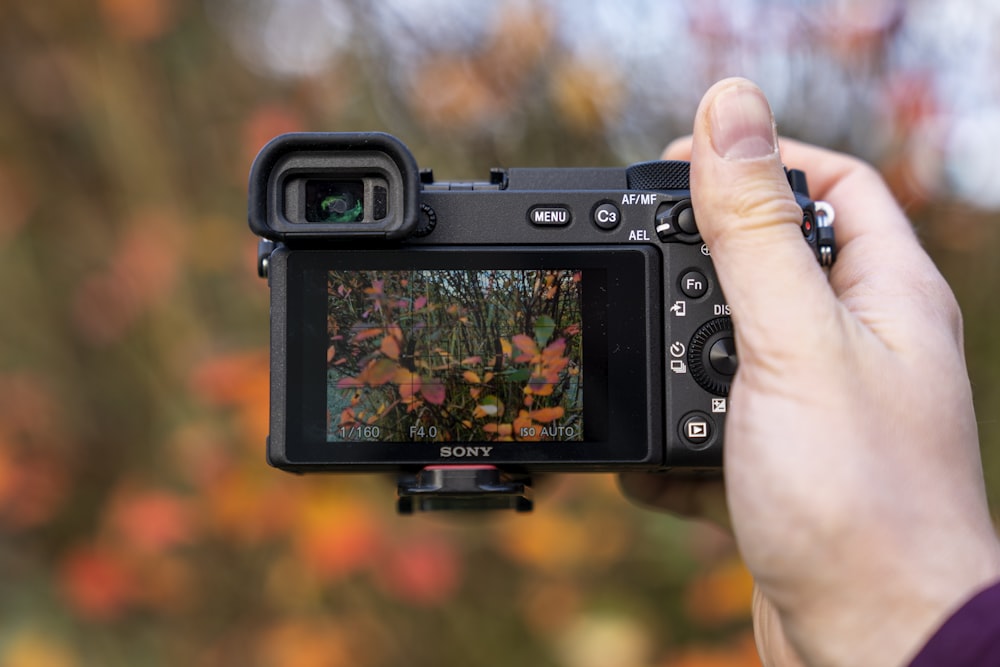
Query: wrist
888, 618
970, 636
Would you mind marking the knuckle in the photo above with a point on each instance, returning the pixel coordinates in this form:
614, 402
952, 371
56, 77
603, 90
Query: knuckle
750, 201
863, 170
935, 297
950, 311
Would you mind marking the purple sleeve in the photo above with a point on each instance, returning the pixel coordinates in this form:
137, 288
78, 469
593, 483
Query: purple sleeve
970, 637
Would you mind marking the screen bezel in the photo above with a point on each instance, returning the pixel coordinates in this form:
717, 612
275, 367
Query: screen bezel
621, 336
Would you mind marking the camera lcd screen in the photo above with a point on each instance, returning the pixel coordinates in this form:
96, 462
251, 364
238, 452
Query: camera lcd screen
542, 356
473, 355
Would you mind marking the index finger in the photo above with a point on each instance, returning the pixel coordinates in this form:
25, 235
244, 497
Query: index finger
882, 267
879, 251
829, 174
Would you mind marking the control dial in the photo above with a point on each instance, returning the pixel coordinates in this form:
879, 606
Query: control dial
712, 356
659, 175
426, 222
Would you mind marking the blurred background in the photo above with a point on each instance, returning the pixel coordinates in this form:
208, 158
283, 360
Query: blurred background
139, 524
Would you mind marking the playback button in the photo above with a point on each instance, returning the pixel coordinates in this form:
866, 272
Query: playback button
697, 430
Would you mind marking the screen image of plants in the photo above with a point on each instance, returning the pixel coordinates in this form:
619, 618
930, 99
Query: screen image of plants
463, 355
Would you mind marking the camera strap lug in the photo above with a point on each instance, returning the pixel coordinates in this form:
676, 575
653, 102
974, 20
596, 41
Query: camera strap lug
264, 249
824, 230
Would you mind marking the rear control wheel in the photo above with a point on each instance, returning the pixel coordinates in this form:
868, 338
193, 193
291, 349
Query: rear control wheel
712, 356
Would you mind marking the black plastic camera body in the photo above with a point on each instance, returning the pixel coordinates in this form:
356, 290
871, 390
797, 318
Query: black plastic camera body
466, 335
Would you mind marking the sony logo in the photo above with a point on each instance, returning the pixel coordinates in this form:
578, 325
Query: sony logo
450, 452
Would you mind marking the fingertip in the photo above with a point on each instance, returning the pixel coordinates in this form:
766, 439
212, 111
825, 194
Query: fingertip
678, 149
736, 119
694, 495
642, 488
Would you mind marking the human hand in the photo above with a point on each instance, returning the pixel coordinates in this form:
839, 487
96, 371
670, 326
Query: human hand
853, 478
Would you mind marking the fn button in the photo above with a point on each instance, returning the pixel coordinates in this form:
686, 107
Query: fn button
694, 284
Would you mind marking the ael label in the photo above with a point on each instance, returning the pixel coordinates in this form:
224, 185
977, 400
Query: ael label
640, 199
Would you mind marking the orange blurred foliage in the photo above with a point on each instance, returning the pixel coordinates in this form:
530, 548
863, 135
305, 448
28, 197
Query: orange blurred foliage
307, 643
34, 647
471, 89
249, 504
263, 124
135, 562
29, 412
741, 652
151, 520
143, 270
554, 540
32, 488
550, 605
232, 379
239, 380
169, 583
587, 95
201, 452
425, 571
915, 169
98, 583
462, 94
722, 595
334, 534
19, 198
33, 475
138, 20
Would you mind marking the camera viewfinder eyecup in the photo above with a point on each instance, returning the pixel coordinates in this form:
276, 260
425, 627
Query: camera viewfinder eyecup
334, 186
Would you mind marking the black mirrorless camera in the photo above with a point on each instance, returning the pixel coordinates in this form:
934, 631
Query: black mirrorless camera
465, 335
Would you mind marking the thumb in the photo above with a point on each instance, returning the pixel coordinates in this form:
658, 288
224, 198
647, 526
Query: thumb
751, 223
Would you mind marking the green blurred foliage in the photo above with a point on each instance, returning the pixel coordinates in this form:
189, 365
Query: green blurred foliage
139, 524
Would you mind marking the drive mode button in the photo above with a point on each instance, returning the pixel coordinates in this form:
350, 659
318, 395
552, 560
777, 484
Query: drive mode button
549, 216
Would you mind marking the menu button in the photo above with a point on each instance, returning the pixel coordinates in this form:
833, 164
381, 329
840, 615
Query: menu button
549, 216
